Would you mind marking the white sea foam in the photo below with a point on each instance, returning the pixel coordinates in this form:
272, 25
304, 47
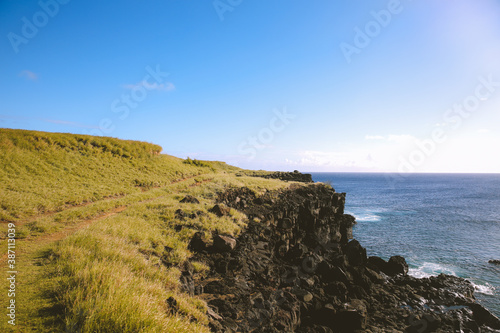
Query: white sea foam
429, 269
485, 288
365, 216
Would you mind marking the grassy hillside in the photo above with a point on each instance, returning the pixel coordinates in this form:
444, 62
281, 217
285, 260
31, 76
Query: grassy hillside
48, 172
99, 246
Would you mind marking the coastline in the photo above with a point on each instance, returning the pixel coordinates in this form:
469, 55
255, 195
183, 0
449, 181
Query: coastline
301, 261
435, 221
117, 237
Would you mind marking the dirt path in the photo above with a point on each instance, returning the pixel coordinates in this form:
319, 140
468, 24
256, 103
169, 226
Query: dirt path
110, 198
58, 235
68, 230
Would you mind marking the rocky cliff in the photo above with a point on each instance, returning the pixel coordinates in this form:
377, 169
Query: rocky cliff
295, 176
297, 269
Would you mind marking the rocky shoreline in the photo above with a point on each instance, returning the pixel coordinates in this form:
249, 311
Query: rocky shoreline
297, 269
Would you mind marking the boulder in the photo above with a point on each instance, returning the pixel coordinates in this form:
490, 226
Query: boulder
353, 317
325, 315
190, 199
224, 243
356, 254
373, 276
220, 210
302, 295
484, 317
336, 288
197, 242
172, 305
212, 314
396, 265
377, 264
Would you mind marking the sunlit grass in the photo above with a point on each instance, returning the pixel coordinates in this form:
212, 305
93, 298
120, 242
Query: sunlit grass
48, 172
116, 273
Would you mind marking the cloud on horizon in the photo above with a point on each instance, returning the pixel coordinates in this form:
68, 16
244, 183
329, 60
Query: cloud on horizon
320, 160
395, 138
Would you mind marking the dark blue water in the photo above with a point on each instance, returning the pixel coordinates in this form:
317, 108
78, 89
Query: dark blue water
441, 223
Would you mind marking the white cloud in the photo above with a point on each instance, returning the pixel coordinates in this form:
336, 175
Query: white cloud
465, 153
374, 137
396, 138
401, 139
459, 152
333, 161
380, 153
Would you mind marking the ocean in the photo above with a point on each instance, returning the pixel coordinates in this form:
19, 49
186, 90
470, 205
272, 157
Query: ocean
441, 223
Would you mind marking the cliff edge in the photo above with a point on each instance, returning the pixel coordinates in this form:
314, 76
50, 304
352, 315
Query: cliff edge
297, 269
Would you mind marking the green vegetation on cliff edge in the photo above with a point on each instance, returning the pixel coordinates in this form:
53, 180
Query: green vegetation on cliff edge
98, 243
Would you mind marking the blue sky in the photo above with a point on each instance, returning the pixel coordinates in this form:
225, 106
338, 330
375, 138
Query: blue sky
401, 86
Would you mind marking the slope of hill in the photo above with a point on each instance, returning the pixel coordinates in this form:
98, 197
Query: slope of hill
98, 241
48, 172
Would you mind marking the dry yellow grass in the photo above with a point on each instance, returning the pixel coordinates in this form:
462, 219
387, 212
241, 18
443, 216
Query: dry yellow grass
96, 268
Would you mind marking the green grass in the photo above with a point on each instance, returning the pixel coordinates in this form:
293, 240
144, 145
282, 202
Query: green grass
80, 270
48, 172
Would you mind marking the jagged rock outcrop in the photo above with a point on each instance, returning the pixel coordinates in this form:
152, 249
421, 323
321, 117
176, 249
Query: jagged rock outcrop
295, 176
297, 269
